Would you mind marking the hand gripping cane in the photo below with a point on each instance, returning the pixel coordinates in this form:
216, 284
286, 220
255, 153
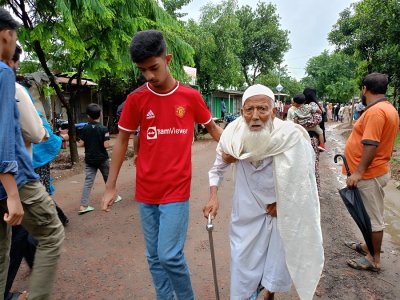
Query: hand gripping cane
210, 228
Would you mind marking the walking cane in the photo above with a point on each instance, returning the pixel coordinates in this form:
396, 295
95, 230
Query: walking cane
210, 228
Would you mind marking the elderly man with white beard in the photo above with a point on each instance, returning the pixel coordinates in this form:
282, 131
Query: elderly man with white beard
275, 232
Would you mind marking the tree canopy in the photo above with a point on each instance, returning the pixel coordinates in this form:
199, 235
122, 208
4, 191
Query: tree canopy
264, 42
333, 76
235, 45
171, 6
92, 37
369, 31
290, 85
217, 42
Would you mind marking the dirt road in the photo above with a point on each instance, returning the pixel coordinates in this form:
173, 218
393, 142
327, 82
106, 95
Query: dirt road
103, 254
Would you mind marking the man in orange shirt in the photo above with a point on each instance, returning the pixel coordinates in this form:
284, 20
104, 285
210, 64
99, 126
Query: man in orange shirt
368, 151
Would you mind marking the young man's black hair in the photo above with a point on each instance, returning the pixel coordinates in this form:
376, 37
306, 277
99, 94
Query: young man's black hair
376, 83
146, 44
93, 110
299, 99
17, 53
7, 21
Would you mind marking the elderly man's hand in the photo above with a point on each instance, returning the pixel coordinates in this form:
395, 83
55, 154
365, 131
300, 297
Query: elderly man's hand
271, 210
211, 207
227, 158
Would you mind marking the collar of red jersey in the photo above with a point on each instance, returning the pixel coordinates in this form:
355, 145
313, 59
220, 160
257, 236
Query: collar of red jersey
166, 94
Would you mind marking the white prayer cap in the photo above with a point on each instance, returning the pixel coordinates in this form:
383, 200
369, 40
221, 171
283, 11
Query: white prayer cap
258, 89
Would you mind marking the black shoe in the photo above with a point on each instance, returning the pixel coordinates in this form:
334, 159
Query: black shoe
65, 222
63, 218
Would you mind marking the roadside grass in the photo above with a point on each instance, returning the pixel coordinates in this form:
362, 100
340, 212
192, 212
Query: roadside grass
397, 142
395, 161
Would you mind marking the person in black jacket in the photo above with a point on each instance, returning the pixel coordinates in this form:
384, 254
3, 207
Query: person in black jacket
96, 139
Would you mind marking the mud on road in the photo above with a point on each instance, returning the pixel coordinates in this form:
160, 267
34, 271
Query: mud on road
103, 254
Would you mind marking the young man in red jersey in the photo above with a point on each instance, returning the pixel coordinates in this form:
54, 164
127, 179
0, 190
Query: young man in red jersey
166, 111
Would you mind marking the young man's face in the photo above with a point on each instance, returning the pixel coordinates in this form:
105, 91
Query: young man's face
8, 39
155, 69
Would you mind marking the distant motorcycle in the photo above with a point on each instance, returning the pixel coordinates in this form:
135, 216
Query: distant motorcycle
230, 118
62, 125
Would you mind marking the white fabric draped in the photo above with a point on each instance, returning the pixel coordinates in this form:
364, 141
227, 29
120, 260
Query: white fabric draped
297, 197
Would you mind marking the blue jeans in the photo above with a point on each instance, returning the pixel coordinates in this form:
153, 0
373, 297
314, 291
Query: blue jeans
164, 227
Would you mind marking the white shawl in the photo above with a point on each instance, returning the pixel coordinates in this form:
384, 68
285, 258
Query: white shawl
297, 197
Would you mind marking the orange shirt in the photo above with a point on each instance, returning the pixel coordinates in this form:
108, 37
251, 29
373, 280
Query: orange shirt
378, 125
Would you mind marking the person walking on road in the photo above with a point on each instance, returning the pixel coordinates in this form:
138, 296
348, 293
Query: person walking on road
96, 139
23, 200
272, 158
368, 151
35, 131
303, 114
165, 110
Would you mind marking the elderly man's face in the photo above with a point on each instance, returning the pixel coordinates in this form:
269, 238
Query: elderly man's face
257, 110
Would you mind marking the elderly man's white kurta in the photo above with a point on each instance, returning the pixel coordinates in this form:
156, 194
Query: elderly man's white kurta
257, 253
296, 196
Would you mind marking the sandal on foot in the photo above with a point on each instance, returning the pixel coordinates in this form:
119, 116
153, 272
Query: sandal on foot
356, 247
85, 210
118, 199
362, 264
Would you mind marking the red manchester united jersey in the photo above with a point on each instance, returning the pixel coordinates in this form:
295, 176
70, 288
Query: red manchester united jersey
164, 167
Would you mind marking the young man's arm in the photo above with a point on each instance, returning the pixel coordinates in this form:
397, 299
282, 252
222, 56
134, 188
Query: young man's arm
117, 158
32, 127
15, 209
8, 163
214, 130
136, 146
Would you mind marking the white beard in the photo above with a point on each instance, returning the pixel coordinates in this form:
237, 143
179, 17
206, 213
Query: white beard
256, 142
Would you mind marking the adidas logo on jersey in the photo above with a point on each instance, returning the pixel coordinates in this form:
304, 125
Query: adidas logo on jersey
150, 115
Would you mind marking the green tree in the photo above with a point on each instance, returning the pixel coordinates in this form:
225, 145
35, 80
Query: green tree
291, 86
171, 6
92, 37
333, 76
264, 42
218, 61
369, 30
217, 42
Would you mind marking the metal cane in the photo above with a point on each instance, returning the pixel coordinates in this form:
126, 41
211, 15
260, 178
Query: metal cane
210, 228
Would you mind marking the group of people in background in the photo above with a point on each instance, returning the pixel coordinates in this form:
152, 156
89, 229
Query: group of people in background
344, 112
275, 235
336, 112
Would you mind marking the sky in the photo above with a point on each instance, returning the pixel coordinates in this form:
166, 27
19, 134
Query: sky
309, 22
